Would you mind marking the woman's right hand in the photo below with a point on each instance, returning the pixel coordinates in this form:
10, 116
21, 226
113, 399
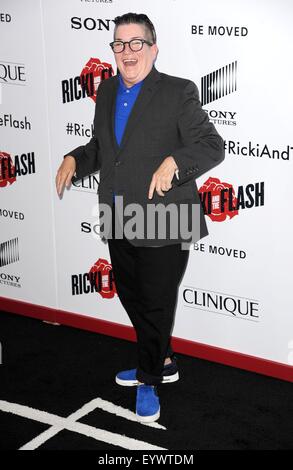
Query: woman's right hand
64, 174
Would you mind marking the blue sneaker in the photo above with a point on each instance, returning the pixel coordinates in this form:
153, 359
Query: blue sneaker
147, 403
127, 378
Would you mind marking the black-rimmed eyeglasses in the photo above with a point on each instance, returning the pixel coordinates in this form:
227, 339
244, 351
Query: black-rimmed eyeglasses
135, 45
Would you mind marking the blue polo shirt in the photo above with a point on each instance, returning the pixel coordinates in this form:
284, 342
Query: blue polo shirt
124, 103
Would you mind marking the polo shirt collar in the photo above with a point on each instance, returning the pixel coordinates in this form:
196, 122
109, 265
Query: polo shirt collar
123, 87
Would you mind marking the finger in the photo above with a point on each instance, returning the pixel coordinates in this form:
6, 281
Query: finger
151, 191
60, 188
60, 185
68, 180
159, 190
152, 188
57, 182
163, 183
164, 186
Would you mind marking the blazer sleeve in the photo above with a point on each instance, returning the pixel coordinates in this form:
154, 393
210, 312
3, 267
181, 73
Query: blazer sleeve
87, 156
202, 147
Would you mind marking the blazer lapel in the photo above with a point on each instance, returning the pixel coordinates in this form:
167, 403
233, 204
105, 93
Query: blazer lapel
149, 87
112, 113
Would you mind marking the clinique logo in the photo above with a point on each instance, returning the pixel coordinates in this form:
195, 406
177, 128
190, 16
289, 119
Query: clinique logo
12, 73
221, 303
88, 184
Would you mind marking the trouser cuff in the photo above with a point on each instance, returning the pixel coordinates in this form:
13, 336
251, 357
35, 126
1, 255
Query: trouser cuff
148, 379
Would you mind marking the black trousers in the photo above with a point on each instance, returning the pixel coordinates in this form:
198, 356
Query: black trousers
147, 281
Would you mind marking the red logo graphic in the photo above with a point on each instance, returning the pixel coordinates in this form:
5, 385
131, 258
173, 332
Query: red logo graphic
6, 169
100, 71
103, 275
218, 198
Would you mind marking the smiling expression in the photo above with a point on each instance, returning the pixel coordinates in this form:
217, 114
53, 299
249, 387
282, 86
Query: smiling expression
134, 66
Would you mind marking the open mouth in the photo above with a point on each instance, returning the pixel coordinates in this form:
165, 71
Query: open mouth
129, 62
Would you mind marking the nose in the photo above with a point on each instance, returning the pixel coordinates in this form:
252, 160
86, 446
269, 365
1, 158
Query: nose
127, 48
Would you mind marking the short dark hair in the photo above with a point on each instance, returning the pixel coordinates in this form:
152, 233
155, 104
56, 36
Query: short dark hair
137, 18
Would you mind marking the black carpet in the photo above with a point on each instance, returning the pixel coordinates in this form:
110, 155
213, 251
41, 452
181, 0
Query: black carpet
58, 370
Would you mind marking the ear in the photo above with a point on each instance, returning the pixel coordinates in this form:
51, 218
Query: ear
155, 51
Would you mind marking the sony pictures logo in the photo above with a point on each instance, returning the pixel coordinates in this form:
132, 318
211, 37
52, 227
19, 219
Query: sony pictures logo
216, 85
219, 83
91, 24
90, 2
9, 254
10, 279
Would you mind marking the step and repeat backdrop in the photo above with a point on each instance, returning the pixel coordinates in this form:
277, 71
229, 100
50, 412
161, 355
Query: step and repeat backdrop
236, 292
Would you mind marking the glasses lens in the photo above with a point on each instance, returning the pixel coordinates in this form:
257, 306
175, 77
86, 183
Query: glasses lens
136, 44
118, 46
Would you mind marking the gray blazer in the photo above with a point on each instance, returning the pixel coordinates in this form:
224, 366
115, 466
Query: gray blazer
166, 119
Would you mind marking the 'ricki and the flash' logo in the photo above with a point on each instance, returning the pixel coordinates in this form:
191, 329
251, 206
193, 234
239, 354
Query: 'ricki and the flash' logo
22, 165
220, 200
86, 84
99, 279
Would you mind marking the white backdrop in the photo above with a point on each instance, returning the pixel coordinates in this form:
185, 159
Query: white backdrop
245, 262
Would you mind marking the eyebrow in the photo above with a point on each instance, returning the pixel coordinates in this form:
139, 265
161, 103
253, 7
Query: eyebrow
135, 37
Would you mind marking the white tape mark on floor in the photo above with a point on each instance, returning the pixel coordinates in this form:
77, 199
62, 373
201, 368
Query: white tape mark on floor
70, 423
